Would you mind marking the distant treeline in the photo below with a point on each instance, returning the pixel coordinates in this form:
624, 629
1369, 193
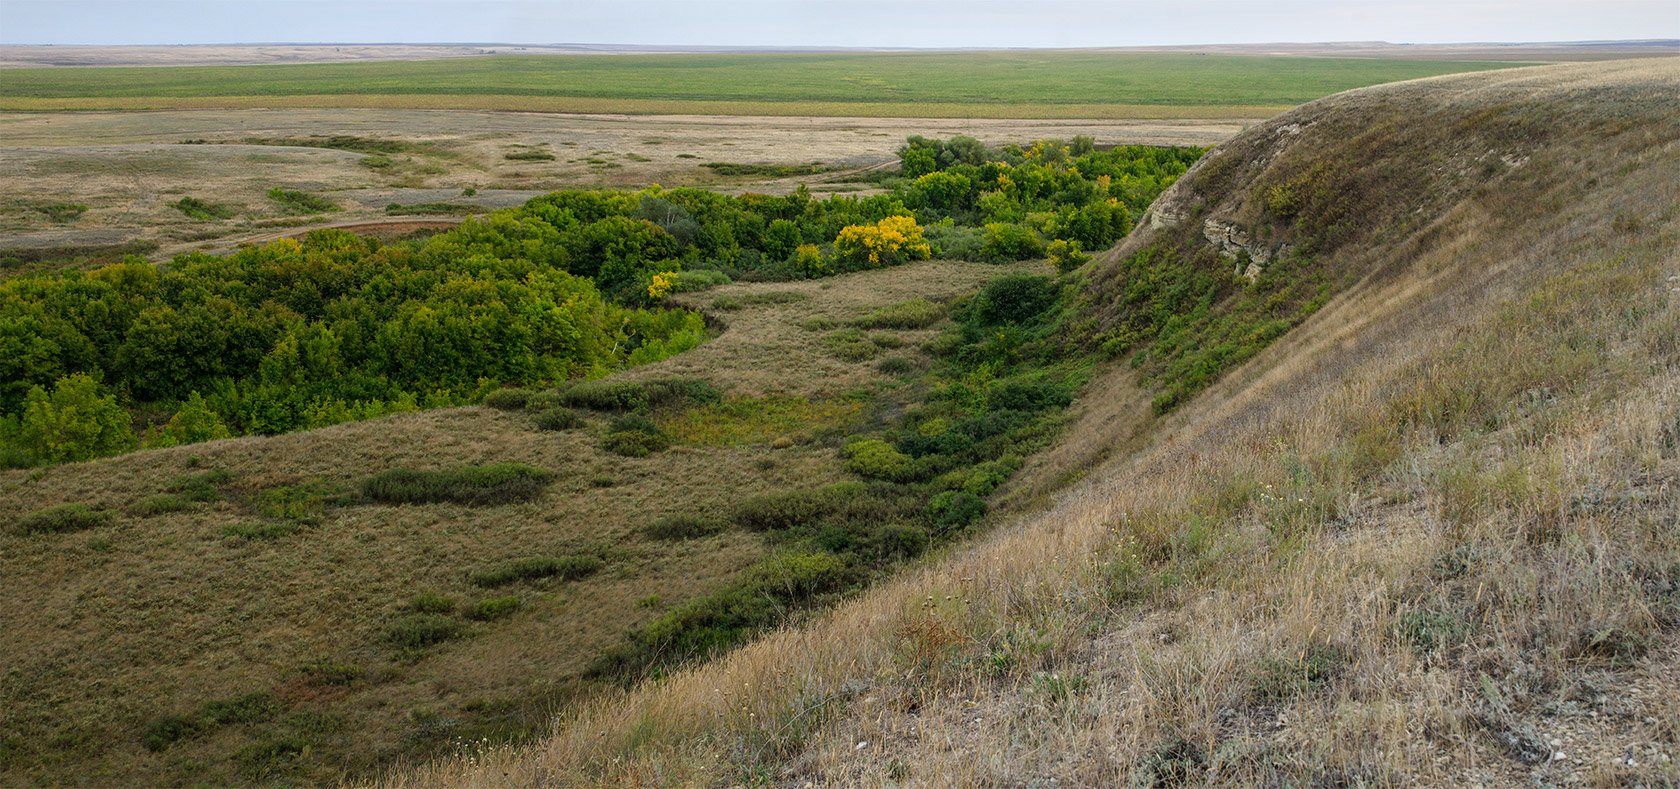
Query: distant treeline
294, 335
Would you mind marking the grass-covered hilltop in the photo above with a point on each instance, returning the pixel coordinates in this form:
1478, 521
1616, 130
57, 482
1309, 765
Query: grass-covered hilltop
1342, 453
1428, 535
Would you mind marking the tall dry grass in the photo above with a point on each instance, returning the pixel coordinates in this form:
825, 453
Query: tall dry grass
1430, 538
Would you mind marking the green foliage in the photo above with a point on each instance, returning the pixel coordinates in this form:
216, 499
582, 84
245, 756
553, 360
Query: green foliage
634, 435
195, 422
689, 281
767, 170
878, 460
201, 487
417, 631
558, 418
529, 156
792, 508
1280, 677
294, 202
203, 209
912, 314
63, 212
63, 518
851, 345
75, 422
250, 708
431, 603
1009, 241
161, 504
501, 483
510, 399
1014, 299
683, 527
1067, 255
954, 509
432, 209
564, 568
489, 610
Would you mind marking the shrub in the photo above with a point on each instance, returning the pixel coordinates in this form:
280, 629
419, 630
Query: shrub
63, 212
565, 568
878, 460
541, 401
634, 443
160, 504
201, 209
64, 518
74, 422
507, 399
487, 610
558, 418
912, 314
886, 340
200, 487
293, 202
896, 365
955, 509
261, 531
796, 576
1014, 298
1006, 241
1067, 255
694, 280
165, 731
794, 507
431, 603
604, 396
422, 630
529, 156
249, 708
683, 527
851, 345
1019, 395
501, 483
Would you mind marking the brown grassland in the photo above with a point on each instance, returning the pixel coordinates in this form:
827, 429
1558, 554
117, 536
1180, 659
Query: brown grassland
159, 613
1431, 537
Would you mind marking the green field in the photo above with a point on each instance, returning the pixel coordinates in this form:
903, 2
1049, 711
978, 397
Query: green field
937, 84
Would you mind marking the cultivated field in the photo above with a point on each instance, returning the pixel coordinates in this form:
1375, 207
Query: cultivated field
1006, 84
129, 168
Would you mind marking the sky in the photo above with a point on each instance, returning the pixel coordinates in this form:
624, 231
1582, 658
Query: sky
834, 23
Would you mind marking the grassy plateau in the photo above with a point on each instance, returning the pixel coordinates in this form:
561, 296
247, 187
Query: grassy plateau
925, 84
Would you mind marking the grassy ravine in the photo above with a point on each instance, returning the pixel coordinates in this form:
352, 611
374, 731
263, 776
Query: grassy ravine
1426, 538
288, 609
922, 84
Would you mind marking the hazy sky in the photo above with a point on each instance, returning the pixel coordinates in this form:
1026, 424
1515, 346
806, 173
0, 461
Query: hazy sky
859, 23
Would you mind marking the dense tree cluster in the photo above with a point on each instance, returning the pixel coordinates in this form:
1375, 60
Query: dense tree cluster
334, 328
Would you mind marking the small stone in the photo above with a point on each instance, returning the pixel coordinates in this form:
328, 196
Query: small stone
1556, 742
1559, 756
862, 745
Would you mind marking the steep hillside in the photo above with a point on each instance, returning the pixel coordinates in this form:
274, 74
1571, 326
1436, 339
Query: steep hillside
1429, 535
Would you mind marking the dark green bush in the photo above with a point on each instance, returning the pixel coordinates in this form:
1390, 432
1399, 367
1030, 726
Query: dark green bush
501, 483
507, 399
529, 156
293, 202
201, 209
1019, 395
200, 487
627, 395
558, 418
634, 443
565, 568
422, 630
167, 730
896, 365
851, 345
683, 527
64, 518
954, 509
431, 603
249, 708
1014, 298
488, 610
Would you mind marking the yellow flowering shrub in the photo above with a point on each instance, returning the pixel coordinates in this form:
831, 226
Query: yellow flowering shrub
660, 285
894, 239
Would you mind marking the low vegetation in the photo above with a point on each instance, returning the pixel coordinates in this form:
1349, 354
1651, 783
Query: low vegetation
296, 202
492, 485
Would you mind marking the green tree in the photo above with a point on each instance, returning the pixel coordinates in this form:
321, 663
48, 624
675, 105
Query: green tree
918, 162
195, 422
73, 423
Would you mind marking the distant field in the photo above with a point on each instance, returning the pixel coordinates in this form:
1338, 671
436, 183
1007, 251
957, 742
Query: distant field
942, 84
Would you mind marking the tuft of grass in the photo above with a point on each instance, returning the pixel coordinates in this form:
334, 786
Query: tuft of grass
529, 156
909, 314
63, 518
483, 486
203, 209
683, 527
506, 399
418, 631
792, 508
490, 610
851, 345
530, 568
295, 202
431, 603
63, 212
558, 418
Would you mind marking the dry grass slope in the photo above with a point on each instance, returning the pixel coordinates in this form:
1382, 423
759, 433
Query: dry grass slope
233, 613
1431, 537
